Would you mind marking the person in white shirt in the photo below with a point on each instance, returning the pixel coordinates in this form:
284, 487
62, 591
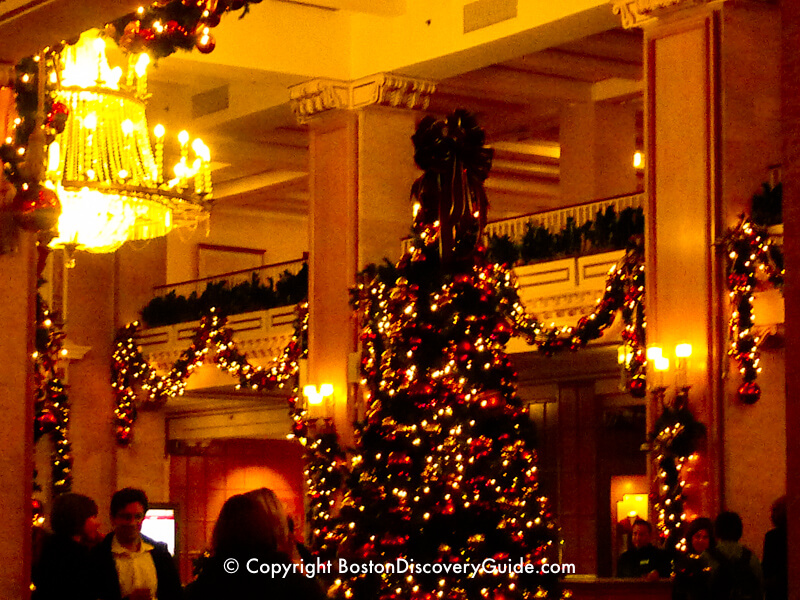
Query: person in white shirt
128, 565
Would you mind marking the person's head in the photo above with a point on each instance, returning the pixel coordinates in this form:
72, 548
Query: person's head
75, 516
641, 533
778, 512
728, 526
128, 507
700, 535
246, 527
276, 515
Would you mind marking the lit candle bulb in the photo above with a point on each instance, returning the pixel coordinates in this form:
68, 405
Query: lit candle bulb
182, 168
158, 131
141, 74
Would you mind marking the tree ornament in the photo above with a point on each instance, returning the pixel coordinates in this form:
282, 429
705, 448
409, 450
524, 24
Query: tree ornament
124, 436
749, 392
46, 422
36, 208
212, 20
205, 43
638, 387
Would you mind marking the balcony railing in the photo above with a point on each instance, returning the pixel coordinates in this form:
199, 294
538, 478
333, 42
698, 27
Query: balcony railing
556, 220
197, 286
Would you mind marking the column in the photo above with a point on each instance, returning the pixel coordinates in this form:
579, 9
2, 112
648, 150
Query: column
791, 218
17, 318
17, 322
711, 132
361, 171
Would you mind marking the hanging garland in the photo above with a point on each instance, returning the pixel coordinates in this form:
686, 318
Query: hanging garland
51, 405
751, 257
170, 25
130, 369
674, 443
623, 292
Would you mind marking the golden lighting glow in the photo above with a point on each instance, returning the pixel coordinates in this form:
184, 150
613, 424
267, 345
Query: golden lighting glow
683, 350
654, 352
638, 160
103, 168
661, 363
317, 397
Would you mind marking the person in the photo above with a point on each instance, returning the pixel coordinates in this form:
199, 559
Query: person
63, 569
643, 560
128, 565
246, 536
735, 572
692, 567
775, 557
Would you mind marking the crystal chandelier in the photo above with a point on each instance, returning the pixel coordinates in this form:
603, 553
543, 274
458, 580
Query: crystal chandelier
108, 177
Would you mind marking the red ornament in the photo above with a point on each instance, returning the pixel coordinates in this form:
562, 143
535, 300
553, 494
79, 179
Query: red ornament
46, 422
638, 387
205, 43
124, 436
37, 208
212, 20
490, 399
749, 392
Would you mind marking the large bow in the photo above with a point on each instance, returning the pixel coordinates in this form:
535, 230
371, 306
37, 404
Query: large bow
455, 162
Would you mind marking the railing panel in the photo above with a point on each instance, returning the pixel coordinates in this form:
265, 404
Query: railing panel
197, 286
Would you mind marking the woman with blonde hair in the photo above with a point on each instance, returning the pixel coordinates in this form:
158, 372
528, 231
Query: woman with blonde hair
250, 538
276, 515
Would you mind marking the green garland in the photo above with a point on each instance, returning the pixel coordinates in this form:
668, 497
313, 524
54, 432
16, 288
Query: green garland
130, 369
674, 443
608, 231
252, 295
51, 404
168, 26
751, 257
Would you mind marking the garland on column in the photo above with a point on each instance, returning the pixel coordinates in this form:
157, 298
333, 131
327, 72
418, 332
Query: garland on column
130, 368
674, 452
751, 257
51, 404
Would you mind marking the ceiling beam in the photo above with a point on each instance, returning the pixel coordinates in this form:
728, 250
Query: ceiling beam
520, 85
577, 65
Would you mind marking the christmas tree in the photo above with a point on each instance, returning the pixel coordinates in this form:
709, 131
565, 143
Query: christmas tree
443, 498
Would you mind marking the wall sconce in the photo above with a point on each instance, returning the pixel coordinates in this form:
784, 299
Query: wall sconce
638, 160
624, 358
315, 398
682, 354
655, 354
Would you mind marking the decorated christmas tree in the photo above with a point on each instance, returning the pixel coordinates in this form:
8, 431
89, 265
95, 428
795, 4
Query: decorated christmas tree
444, 480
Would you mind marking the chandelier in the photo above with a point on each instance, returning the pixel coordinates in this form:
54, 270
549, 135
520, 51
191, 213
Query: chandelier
109, 178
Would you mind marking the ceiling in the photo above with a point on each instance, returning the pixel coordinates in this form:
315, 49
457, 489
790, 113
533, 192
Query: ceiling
261, 152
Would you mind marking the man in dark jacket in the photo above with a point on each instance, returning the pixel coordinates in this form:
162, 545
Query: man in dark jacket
643, 560
129, 566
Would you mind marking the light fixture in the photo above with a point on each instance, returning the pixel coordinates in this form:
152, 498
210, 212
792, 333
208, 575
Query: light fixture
638, 160
682, 354
317, 397
109, 179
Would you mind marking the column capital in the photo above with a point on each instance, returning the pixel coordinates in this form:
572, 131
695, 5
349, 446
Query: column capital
635, 13
312, 98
